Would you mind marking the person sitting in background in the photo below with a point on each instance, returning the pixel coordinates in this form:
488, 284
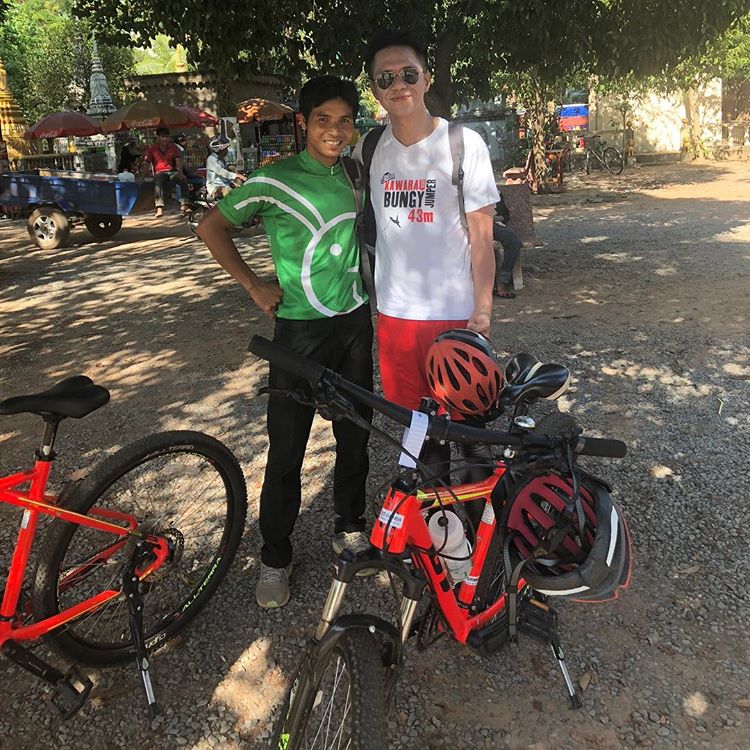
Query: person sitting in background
129, 158
511, 244
219, 179
166, 160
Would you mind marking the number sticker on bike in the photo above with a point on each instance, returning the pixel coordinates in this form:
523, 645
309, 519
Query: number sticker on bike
388, 518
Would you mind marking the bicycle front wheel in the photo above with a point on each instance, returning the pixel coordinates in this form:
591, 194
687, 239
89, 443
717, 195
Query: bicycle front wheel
184, 486
341, 706
613, 160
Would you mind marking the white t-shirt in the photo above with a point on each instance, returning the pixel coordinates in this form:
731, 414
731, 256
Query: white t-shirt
423, 262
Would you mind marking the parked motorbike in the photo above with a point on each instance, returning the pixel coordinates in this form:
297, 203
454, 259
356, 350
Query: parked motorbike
199, 204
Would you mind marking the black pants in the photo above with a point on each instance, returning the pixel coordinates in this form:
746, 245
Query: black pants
344, 344
511, 244
163, 182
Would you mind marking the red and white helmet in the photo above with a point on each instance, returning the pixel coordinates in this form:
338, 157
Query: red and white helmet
585, 559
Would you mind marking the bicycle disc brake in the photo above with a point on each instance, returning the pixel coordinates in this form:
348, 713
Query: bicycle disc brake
428, 627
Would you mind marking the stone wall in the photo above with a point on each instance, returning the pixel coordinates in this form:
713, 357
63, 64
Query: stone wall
657, 119
198, 89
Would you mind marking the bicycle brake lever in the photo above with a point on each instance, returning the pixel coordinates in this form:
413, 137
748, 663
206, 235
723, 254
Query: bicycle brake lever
330, 404
296, 395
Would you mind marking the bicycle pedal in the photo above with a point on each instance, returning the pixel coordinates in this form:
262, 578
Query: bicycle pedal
71, 692
491, 638
538, 620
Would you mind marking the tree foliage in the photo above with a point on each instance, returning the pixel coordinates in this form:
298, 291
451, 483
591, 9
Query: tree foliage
47, 54
159, 57
468, 40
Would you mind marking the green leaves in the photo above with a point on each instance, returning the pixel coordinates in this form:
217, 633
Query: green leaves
469, 41
48, 57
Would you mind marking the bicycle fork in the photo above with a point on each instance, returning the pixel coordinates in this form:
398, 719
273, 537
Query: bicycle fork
413, 588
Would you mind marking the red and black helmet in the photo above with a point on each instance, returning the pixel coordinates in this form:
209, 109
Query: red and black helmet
592, 566
463, 373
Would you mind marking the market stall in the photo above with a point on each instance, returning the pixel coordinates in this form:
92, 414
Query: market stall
270, 130
73, 142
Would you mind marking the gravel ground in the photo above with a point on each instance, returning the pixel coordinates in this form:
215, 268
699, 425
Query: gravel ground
641, 289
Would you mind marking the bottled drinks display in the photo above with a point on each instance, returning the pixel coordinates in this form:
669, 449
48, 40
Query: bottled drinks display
274, 148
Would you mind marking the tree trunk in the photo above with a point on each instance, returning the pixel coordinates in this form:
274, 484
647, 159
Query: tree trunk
536, 115
693, 117
439, 98
226, 106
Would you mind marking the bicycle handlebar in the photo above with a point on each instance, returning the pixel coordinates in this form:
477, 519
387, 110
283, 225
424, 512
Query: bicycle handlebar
439, 428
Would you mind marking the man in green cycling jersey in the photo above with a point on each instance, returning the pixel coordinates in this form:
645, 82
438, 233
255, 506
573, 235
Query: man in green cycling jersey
320, 310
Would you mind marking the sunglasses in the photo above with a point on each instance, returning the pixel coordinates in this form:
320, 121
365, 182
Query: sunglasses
386, 79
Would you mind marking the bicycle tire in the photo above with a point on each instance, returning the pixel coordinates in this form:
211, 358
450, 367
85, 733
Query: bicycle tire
356, 653
613, 161
185, 485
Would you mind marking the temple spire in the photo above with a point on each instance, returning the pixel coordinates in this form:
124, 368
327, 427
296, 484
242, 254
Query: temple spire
12, 123
100, 104
180, 60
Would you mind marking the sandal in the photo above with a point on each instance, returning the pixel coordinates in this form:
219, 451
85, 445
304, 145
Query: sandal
503, 293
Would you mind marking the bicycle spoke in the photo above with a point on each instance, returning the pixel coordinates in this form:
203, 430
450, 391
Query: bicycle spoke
326, 727
178, 495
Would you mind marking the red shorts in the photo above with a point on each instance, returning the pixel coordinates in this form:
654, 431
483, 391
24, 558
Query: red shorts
402, 349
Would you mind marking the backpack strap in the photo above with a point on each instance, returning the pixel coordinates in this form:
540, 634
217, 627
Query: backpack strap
355, 175
456, 141
370, 141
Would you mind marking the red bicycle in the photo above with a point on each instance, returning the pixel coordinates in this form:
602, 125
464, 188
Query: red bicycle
537, 508
137, 549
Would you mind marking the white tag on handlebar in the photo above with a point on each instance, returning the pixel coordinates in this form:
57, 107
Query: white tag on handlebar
414, 436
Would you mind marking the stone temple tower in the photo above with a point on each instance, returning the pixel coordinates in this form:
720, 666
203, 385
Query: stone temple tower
100, 104
11, 119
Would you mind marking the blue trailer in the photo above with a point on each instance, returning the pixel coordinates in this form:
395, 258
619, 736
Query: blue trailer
59, 201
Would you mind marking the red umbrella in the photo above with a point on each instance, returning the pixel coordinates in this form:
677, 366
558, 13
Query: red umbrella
144, 114
198, 118
62, 124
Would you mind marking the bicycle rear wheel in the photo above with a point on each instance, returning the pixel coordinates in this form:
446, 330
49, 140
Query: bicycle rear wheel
185, 486
613, 160
343, 707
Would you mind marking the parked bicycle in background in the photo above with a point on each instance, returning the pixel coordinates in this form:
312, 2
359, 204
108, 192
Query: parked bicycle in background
599, 155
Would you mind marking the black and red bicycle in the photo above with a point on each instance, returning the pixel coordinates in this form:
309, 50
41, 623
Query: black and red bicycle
546, 529
137, 548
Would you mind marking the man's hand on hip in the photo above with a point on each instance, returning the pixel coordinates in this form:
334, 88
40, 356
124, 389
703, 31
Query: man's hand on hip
266, 296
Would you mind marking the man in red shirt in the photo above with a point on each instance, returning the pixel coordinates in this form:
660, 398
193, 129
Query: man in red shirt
165, 159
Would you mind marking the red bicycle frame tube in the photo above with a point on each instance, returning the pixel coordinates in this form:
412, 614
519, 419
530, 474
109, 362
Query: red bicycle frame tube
402, 524
34, 501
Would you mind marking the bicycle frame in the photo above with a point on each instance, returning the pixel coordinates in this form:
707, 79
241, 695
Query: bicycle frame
400, 525
35, 502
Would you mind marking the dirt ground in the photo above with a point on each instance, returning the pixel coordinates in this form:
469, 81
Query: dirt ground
641, 288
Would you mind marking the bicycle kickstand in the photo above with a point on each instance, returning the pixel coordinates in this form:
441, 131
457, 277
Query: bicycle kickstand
539, 620
132, 593
575, 701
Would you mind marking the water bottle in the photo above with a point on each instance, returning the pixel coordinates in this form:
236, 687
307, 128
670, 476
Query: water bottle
451, 544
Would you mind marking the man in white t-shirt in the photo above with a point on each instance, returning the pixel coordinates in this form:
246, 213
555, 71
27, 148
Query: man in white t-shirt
429, 276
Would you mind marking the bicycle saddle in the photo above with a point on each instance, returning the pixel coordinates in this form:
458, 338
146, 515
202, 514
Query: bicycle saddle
73, 397
520, 368
546, 381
